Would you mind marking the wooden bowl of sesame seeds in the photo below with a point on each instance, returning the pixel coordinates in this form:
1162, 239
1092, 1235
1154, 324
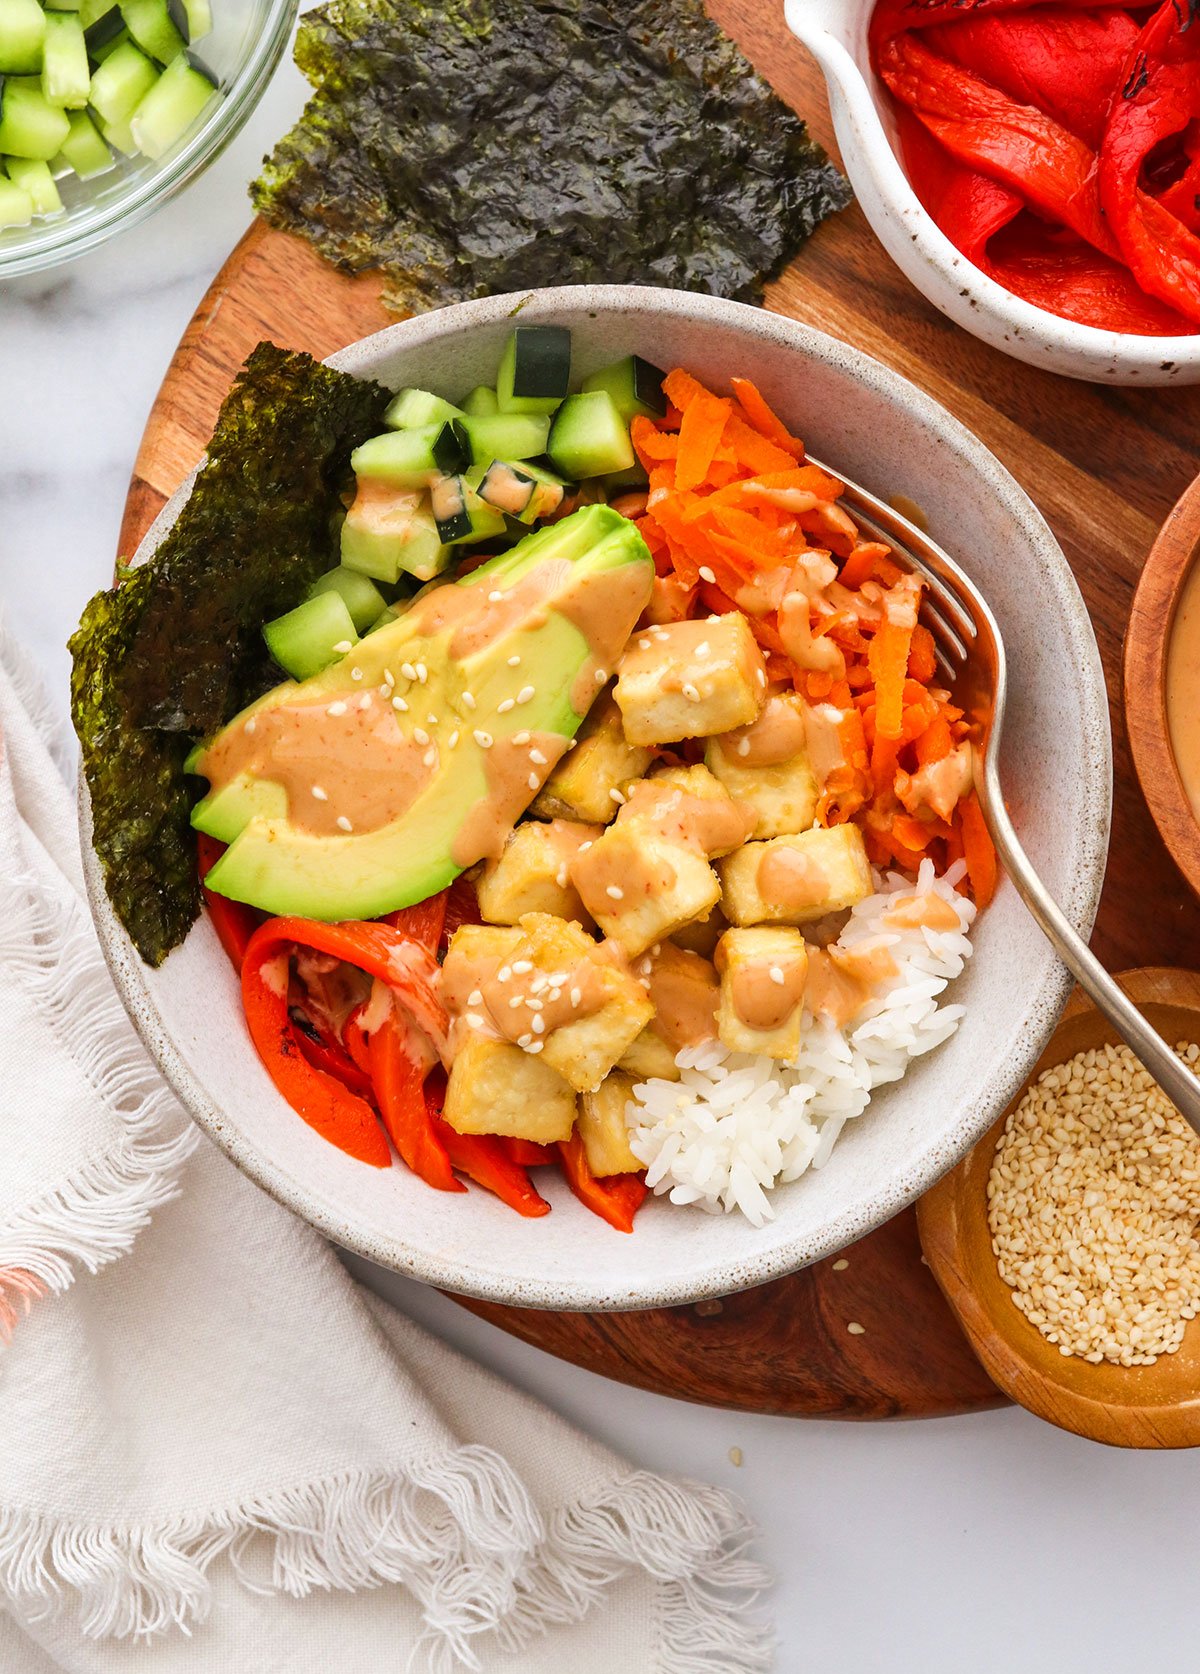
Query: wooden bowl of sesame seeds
1116, 1188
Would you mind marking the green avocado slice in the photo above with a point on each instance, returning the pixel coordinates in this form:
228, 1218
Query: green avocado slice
375, 783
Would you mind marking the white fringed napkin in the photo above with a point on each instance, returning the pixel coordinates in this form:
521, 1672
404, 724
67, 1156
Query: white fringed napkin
217, 1452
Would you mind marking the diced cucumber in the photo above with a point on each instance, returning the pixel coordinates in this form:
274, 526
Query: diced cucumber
16, 205
411, 458
382, 620
460, 514
83, 150
309, 638
170, 107
66, 73
29, 125
481, 403
36, 179
22, 33
150, 27
390, 531
107, 48
635, 386
522, 491
414, 408
631, 481
534, 370
504, 436
589, 438
120, 136
64, 5
357, 592
192, 18
121, 83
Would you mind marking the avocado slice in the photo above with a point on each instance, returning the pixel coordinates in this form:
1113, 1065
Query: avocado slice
373, 784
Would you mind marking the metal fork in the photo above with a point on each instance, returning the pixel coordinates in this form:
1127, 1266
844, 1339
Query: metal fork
970, 653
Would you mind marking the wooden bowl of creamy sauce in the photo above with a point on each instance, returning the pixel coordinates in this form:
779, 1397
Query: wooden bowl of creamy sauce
1162, 683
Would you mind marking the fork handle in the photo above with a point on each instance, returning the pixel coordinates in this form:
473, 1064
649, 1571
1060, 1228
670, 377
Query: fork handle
1156, 1055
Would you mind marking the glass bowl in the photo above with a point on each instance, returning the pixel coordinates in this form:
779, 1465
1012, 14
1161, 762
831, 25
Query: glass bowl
242, 50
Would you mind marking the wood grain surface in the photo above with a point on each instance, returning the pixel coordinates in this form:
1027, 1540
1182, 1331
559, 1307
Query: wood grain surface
1104, 465
1126, 1406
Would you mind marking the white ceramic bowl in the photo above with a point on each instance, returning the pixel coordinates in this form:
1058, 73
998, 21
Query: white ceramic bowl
835, 32
881, 430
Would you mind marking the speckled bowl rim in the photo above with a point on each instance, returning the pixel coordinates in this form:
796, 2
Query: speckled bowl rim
1041, 1009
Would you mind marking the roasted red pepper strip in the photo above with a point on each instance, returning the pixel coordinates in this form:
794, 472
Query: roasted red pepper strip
324, 1051
233, 921
527, 1154
423, 923
1077, 283
616, 1198
968, 206
1012, 143
462, 907
484, 1158
321, 1100
398, 1074
1158, 97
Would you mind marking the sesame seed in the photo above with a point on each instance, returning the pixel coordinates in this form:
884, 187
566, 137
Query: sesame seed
521, 737
422, 672
555, 994
473, 1019
522, 967
432, 719
706, 574
343, 823
516, 1001
576, 996
643, 645
251, 724
526, 694
389, 677
343, 645
536, 1005
537, 1024
483, 739
735, 1453
690, 692
430, 756
600, 676
514, 661
475, 997
320, 794
399, 703
704, 649
533, 781
743, 748
408, 671
356, 674
503, 707
525, 1040
535, 1046
584, 847
468, 699
617, 796
776, 975
855, 1329
503, 974
561, 876
615, 893
385, 691
537, 758
495, 596
762, 678
841, 1265
452, 740
572, 743
335, 709
364, 701
421, 736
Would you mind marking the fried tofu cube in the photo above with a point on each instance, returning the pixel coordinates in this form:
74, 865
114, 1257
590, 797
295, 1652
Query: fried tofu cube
703, 812
532, 874
475, 942
767, 766
702, 934
640, 886
795, 880
495, 1087
649, 1058
603, 761
614, 1007
763, 976
690, 679
602, 1128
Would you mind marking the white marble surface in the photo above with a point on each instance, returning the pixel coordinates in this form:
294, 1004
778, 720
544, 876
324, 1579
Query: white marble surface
988, 1544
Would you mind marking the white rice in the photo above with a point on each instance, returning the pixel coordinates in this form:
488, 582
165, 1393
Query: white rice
738, 1124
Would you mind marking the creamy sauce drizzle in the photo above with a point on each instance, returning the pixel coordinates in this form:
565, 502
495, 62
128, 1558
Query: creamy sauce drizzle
684, 991
778, 735
791, 880
715, 824
921, 912
1183, 687
508, 769
760, 1000
488, 996
603, 607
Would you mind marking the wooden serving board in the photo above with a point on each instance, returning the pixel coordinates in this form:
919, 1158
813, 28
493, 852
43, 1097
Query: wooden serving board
1104, 465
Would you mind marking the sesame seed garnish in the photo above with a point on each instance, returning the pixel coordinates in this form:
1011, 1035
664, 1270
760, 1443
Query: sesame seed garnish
840, 1265
389, 677
735, 1453
343, 645
343, 823
525, 1041
468, 699
615, 892
503, 707
521, 737
495, 596
364, 701
503, 974
762, 679
706, 574
421, 736
432, 719
643, 645
776, 975
475, 997
430, 756
584, 847
522, 967
561, 876
250, 724
356, 674
855, 1329
526, 694
399, 703
483, 739
537, 1024
517, 1001
514, 661
743, 747
335, 709
690, 692
535, 1005
571, 745
422, 672
537, 758
554, 994
408, 671
385, 691
320, 794
704, 649
617, 796
473, 1019
535, 1046
452, 740
533, 781
576, 996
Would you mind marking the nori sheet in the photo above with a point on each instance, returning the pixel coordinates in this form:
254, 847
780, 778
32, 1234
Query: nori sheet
176, 649
468, 147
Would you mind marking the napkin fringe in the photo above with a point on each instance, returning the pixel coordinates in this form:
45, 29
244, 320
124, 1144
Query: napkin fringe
93, 1214
351, 1530
690, 1536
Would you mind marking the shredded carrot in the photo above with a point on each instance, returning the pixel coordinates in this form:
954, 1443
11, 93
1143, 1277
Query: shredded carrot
888, 662
922, 663
704, 421
978, 849
935, 743
760, 415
